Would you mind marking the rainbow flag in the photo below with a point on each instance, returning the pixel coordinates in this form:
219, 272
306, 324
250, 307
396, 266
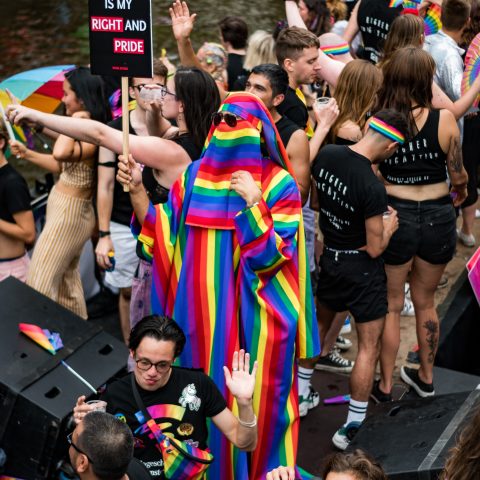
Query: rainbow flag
51, 342
238, 277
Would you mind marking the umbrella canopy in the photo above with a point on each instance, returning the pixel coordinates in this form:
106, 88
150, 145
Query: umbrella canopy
41, 88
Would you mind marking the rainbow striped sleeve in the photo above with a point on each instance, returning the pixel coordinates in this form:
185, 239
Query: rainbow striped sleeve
267, 232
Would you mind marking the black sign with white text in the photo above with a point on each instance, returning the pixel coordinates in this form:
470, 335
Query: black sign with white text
121, 37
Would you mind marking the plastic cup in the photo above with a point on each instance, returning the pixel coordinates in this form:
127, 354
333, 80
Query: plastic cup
321, 103
98, 405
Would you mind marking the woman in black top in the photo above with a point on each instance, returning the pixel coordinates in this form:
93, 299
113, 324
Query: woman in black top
416, 182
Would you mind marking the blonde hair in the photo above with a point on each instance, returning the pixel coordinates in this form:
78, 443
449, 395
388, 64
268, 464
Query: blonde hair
260, 50
355, 94
338, 9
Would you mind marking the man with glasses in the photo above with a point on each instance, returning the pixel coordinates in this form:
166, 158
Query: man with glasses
101, 447
179, 399
113, 204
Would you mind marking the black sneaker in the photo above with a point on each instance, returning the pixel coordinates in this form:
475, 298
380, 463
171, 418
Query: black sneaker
410, 377
334, 362
377, 395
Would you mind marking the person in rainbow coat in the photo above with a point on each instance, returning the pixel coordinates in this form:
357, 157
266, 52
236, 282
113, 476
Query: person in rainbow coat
229, 265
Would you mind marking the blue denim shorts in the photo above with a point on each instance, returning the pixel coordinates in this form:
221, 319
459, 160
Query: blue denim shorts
425, 229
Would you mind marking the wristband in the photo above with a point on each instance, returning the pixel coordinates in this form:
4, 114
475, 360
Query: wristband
251, 424
103, 233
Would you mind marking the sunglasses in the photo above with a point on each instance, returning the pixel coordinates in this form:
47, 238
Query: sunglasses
230, 119
69, 439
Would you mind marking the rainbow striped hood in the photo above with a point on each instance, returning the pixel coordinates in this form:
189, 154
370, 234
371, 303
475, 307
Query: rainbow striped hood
227, 150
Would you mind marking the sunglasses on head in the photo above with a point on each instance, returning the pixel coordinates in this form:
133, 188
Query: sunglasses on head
230, 118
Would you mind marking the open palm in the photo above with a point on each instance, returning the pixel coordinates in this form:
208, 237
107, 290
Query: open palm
182, 21
241, 382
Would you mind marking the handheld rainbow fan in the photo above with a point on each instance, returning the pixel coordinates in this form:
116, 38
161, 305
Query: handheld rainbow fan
472, 67
432, 19
47, 340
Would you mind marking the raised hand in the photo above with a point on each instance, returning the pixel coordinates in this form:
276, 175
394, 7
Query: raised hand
182, 21
18, 113
129, 172
241, 382
327, 115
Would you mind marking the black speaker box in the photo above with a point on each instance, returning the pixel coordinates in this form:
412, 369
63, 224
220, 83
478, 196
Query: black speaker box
411, 439
37, 393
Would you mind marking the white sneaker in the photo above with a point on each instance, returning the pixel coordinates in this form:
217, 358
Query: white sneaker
307, 403
408, 309
467, 240
347, 326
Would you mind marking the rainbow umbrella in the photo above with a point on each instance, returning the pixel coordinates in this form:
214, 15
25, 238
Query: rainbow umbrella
472, 66
49, 341
40, 88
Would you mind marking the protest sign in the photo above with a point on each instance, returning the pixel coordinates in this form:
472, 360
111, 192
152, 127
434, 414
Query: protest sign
121, 37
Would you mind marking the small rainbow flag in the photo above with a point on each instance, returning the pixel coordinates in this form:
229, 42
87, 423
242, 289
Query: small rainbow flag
432, 19
49, 341
410, 7
339, 49
395, 3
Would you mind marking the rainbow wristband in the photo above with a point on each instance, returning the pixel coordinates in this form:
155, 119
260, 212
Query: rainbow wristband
386, 130
339, 49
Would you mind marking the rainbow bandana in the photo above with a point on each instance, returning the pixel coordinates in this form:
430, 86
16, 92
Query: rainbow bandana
340, 49
386, 130
227, 150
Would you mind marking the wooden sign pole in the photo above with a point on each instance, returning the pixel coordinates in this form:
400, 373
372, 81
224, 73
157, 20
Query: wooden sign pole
125, 123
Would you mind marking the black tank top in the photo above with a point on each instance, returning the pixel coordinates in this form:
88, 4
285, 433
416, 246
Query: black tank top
158, 193
343, 141
374, 19
421, 161
286, 128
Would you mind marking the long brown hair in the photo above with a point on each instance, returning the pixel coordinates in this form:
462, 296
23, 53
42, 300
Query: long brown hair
355, 94
405, 30
407, 80
463, 462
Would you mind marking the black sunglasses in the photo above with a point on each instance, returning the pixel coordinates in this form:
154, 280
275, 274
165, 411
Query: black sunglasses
230, 119
69, 439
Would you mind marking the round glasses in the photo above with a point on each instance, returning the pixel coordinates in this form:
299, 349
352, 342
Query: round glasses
161, 367
230, 119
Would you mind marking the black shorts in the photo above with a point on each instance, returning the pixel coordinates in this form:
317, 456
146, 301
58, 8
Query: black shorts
354, 282
425, 229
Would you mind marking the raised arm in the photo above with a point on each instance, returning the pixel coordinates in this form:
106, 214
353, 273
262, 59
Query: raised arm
158, 153
182, 26
460, 107
42, 160
352, 26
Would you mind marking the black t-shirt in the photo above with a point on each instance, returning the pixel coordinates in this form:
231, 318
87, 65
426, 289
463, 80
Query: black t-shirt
180, 408
348, 193
294, 109
421, 161
14, 195
137, 470
286, 128
374, 19
122, 207
235, 68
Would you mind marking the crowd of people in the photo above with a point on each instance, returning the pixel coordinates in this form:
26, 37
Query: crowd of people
277, 185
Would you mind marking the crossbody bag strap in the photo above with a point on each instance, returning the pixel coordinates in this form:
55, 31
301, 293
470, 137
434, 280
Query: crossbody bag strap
152, 425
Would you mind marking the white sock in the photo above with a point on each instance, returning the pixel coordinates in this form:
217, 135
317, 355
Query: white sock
357, 411
304, 376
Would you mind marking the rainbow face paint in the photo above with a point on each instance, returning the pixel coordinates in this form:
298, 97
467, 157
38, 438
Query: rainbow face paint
386, 130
